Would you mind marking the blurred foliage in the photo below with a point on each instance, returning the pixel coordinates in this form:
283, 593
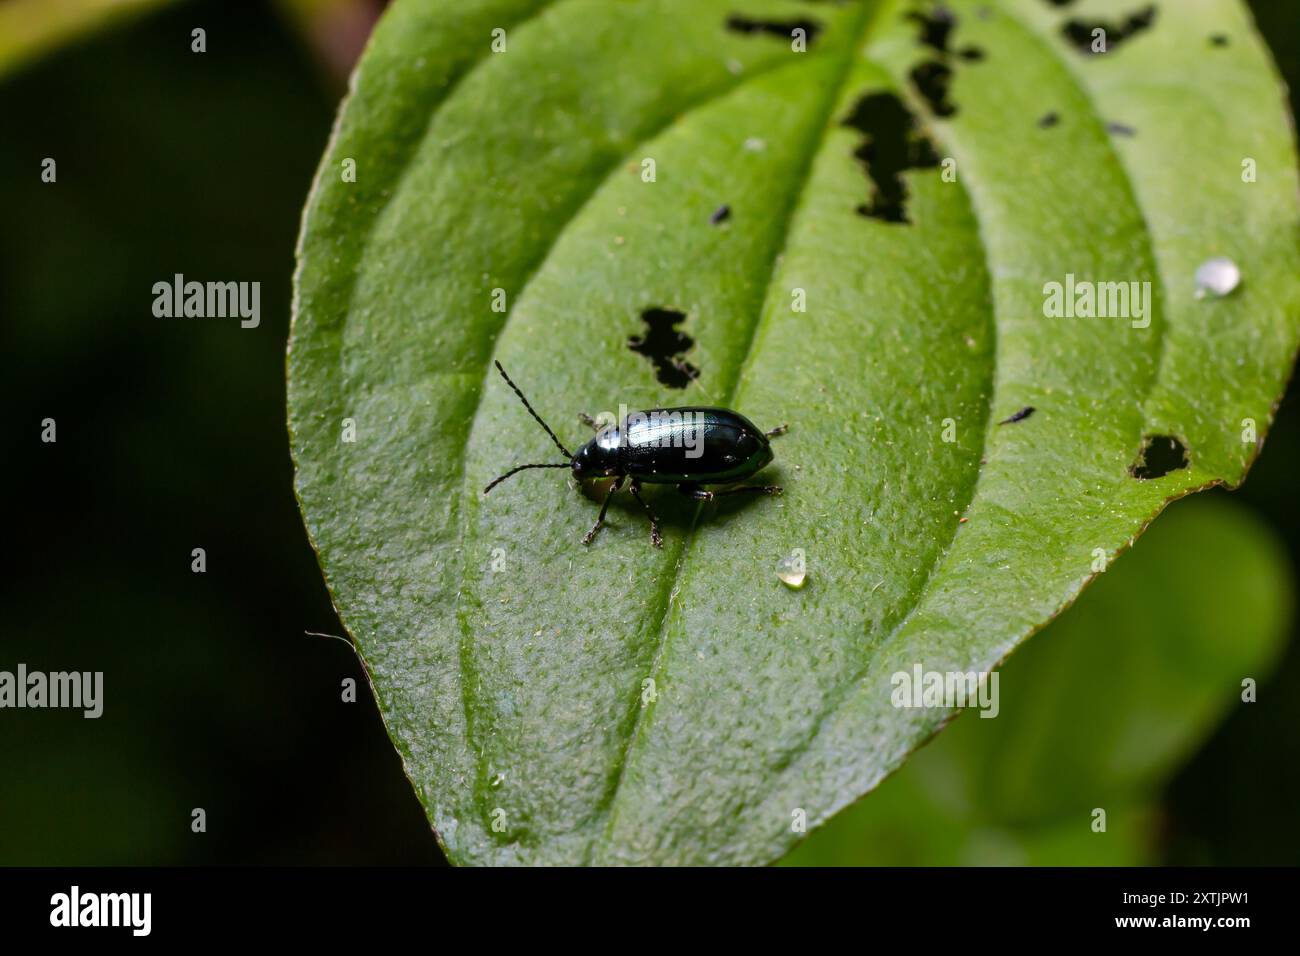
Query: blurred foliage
1096, 711
171, 436
335, 30
30, 28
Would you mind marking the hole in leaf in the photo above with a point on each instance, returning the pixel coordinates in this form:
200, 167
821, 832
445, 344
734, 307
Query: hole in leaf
933, 77
664, 346
936, 27
932, 80
738, 23
1160, 455
1079, 32
893, 142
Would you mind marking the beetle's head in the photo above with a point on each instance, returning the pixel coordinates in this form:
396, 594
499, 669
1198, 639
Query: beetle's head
598, 458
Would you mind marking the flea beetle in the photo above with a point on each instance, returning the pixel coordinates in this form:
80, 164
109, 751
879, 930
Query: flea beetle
688, 447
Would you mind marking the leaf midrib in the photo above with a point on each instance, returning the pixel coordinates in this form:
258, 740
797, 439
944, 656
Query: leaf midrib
861, 30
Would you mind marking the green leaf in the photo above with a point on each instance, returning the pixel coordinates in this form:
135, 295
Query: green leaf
1096, 712
509, 661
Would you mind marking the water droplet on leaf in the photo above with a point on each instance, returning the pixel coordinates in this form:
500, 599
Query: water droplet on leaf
1217, 277
791, 571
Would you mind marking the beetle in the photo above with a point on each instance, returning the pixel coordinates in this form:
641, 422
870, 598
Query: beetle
690, 447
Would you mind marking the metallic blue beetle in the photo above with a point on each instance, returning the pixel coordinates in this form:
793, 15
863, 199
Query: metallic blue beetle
690, 447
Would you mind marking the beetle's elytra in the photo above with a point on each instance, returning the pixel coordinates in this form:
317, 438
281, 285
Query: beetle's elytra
690, 447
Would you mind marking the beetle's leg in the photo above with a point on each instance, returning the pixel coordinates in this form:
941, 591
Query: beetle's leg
589, 421
752, 489
695, 491
600, 520
655, 537
777, 431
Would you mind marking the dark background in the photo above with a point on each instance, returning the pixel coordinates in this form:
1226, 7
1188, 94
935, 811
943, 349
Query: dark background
171, 436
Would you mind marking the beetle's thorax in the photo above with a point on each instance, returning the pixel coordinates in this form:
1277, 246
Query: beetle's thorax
599, 458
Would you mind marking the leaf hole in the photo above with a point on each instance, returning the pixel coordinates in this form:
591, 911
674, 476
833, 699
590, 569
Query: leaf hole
936, 27
1160, 455
1079, 32
739, 23
932, 80
665, 347
933, 77
893, 143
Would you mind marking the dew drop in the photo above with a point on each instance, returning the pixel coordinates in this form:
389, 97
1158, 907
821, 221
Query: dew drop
1217, 277
791, 571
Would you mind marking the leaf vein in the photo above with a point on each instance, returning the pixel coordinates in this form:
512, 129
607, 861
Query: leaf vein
861, 31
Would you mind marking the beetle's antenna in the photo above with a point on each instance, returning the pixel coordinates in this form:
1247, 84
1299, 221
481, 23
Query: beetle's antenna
567, 453
514, 471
